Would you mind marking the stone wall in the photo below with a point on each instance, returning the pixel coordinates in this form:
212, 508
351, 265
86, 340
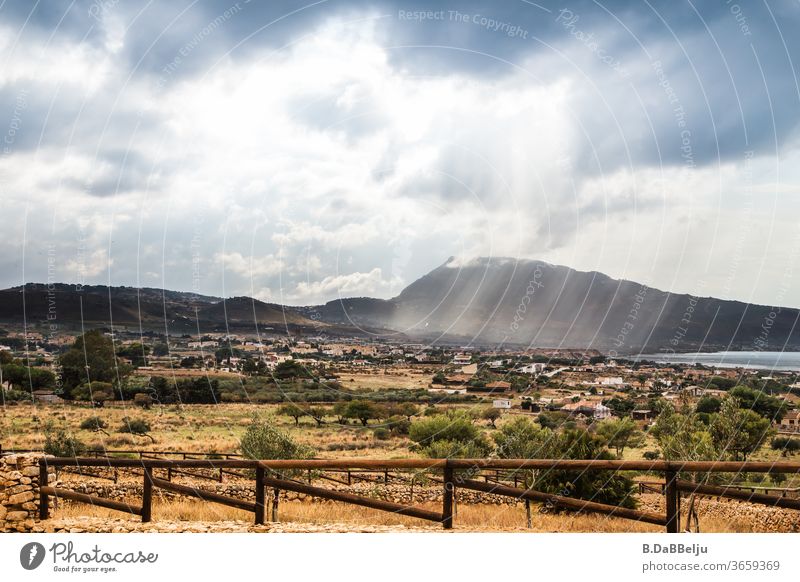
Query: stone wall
397, 493
19, 492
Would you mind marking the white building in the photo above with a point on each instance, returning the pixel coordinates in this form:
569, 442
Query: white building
532, 369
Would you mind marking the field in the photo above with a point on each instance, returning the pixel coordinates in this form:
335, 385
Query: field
196, 428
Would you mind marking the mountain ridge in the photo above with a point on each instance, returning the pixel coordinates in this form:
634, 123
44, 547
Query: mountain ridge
481, 301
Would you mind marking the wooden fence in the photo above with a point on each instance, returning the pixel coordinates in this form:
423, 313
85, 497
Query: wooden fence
455, 473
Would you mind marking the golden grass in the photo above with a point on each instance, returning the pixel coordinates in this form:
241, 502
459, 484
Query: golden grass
480, 517
468, 517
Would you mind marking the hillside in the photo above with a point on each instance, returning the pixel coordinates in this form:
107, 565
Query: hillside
483, 301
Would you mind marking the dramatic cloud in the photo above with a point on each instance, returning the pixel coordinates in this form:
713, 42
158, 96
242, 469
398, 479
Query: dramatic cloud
304, 153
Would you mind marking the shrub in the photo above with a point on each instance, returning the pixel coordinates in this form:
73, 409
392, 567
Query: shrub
381, 433
785, 445
399, 425
58, 443
451, 427
93, 423
143, 400
263, 440
137, 426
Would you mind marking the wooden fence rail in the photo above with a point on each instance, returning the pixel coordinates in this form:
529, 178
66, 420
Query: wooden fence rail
454, 473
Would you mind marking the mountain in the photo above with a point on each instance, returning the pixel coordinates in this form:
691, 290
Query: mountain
485, 301
71, 306
494, 300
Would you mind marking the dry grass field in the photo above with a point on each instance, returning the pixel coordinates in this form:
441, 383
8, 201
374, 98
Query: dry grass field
194, 427
482, 518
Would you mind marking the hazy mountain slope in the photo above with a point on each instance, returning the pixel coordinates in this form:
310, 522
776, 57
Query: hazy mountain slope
488, 301
515, 301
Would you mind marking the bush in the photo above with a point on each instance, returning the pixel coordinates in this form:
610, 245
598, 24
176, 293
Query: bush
143, 400
381, 433
451, 427
785, 445
137, 426
58, 443
93, 423
399, 425
263, 440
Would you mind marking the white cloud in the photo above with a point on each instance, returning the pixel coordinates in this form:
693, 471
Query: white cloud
254, 266
350, 285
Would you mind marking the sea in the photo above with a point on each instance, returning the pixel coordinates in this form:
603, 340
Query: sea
775, 361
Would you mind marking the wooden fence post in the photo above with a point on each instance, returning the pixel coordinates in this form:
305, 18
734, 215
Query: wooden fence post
447, 498
44, 499
276, 497
147, 495
260, 495
528, 513
673, 503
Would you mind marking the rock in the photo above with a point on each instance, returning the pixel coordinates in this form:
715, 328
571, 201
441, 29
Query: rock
30, 471
16, 515
3, 512
20, 498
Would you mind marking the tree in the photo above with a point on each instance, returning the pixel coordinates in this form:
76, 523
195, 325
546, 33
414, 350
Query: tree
620, 433
682, 436
399, 425
447, 435
294, 411
407, 409
620, 406
340, 410
136, 353
610, 487
708, 405
522, 439
737, 431
91, 358
136, 426
765, 405
263, 440
318, 414
363, 410
785, 445
491, 414
290, 370
161, 349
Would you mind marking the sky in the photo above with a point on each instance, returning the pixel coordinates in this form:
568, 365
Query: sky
301, 152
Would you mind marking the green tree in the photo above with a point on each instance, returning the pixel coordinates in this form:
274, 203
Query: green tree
91, 359
708, 405
363, 410
291, 369
682, 436
611, 487
294, 411
786, 445
521, 438
451, 434
763, 404
620, 433
137, 353
318, 414
737, 431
